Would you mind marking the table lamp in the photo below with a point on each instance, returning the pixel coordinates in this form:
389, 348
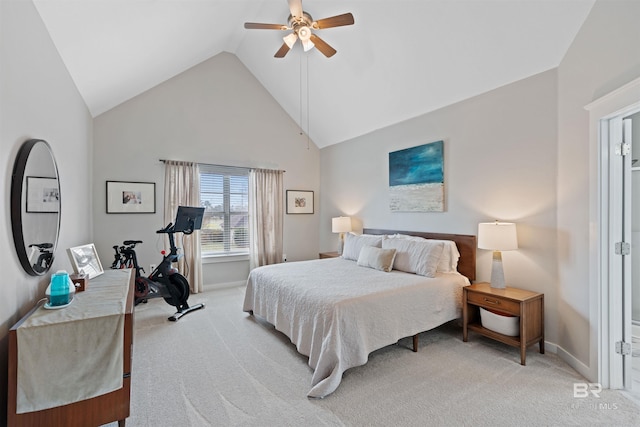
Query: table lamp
497, 236
341, 224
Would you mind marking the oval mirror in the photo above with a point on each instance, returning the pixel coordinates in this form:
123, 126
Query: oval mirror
35, 206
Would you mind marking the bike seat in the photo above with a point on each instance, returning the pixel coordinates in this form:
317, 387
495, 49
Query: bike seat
42, 245
131, 242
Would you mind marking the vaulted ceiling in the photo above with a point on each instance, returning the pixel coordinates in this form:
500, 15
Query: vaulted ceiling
401, 58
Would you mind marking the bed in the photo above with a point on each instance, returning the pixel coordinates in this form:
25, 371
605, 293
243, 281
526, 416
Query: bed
337, 311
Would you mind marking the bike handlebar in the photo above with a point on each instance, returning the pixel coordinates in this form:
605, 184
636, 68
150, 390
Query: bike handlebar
167, 229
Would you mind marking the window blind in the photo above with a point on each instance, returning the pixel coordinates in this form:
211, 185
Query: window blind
224, 193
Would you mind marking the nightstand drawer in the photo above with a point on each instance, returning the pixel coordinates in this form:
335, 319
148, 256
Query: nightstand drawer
491, 301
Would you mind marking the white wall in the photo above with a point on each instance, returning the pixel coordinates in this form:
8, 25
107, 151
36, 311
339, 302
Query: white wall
603, 57
500, 163
37, 100
215, 112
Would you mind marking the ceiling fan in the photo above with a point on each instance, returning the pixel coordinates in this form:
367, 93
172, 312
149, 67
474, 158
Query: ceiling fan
301, 23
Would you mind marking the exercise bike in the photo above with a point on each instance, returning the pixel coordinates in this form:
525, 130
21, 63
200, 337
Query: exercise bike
45, 256
122, 260
164, 281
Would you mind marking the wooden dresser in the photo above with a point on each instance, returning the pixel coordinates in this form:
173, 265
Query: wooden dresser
96, 411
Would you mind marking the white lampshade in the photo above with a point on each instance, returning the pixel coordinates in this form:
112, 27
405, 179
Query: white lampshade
497, 236
341, 224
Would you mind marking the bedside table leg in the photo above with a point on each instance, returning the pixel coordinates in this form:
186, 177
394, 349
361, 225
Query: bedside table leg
465, 316
523, 336
542, 325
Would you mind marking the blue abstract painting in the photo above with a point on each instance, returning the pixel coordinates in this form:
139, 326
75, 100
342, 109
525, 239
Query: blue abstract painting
416, 178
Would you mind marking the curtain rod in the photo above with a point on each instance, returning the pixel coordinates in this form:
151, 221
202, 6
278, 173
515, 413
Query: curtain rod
225, 166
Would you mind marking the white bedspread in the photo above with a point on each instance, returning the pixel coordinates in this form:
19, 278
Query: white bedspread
337, 313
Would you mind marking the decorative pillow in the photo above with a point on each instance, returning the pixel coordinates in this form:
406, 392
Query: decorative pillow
413, 256
380, 259
450, 255
353, 243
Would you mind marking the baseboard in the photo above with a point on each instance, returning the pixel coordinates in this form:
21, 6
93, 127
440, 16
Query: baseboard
212, 286
580, 367
570, 359
550, 347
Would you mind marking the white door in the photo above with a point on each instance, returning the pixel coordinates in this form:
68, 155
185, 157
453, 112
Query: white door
620, 253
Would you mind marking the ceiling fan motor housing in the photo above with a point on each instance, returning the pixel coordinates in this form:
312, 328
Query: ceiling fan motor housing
301, 25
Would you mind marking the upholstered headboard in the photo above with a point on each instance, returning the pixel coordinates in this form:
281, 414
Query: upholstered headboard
466, 246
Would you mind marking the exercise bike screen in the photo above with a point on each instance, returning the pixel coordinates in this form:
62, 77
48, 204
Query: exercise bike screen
188, 218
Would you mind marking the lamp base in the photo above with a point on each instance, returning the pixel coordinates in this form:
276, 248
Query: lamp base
340, 243
497, 272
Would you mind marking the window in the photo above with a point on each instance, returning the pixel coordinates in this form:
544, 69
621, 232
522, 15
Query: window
224, 193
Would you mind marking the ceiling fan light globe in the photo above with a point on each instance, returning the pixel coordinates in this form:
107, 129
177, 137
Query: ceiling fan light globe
304, 33
290, 39
307, 45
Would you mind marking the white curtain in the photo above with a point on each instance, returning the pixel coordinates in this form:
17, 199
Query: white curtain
182, 188
266, 209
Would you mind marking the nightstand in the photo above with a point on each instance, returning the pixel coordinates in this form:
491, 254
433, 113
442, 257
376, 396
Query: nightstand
329, 255
528, 305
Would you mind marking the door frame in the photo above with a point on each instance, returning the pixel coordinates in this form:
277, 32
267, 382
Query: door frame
606, 304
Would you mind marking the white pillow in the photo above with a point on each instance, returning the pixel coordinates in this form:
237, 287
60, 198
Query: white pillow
450, 255
353, 243
380, 259
414, 256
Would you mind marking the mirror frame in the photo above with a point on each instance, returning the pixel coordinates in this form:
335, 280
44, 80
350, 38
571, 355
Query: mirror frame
17, 188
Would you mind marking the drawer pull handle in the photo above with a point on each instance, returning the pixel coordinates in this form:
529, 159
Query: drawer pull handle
492, 301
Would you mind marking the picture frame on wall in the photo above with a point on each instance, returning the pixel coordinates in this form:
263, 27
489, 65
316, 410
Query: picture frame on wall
84, 260
43, 195
131, 197
416, 178
299, 202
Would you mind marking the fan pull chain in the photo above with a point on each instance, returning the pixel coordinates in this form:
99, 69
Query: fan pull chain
300, 121
305, 73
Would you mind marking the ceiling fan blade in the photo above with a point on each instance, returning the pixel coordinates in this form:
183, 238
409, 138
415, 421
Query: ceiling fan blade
334, 21
295, 6
322, 46
257, 26
282, 51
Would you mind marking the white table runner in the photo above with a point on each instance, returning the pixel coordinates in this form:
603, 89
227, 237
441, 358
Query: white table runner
74, 353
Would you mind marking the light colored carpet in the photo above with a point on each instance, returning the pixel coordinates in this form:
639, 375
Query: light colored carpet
222, 367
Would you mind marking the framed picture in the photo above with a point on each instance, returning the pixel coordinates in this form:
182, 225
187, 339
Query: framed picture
299, 202
84, 259
416, 178
131, 197
43, 195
